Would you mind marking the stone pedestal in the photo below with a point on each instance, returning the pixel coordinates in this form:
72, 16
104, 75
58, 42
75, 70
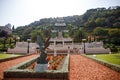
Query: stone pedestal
55, 52
42, 63
41, 67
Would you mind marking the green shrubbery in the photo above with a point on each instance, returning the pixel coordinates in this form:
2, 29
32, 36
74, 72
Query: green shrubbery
3, 49
6, 43
112, 47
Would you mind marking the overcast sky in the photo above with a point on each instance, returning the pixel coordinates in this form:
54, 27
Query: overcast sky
23, 12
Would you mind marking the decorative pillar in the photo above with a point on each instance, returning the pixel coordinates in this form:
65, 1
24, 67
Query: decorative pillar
84, 40
28, 40
55, 52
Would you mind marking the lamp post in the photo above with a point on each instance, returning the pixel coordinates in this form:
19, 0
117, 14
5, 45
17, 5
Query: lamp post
4, 42
15, 39
10, 40
28, 40
84, 45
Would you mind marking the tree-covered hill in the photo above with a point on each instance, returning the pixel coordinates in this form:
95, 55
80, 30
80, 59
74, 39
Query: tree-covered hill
102, 17
92, 18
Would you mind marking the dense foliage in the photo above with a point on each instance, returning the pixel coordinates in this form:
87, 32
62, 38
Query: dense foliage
101, 22
6, 42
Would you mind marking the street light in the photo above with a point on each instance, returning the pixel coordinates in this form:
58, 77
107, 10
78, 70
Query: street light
4, 42
10, 40
28, 40
84, 40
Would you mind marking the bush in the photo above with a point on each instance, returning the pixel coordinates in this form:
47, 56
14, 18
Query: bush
10, 46
3, 49
112, 47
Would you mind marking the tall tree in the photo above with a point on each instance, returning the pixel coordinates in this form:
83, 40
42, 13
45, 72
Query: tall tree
100, 33
3, 33
79, 35
35, 33
13, 28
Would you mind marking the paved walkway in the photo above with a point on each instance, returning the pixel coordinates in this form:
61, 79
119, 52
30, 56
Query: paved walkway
82, 68
8, 64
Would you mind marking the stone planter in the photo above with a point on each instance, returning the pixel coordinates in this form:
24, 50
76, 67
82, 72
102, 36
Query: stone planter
41, 67
20, 71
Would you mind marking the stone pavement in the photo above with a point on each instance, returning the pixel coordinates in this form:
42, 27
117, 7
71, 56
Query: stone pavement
82, 68
8, 64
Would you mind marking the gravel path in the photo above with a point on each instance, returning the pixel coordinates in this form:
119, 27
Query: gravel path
82, 68
8, 64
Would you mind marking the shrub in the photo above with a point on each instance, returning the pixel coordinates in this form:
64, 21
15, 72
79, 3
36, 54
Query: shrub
114, 49
3, 49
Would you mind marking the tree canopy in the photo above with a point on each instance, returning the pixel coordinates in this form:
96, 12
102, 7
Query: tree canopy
98, 21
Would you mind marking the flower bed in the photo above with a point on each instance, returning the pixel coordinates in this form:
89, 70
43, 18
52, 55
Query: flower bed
54, 62
58, 69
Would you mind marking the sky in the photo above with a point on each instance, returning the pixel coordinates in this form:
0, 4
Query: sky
23, 12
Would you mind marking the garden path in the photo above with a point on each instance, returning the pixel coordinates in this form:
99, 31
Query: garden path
8, 64
82, 68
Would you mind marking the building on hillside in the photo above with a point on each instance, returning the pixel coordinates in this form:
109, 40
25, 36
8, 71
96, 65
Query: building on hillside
60, 28
59, 25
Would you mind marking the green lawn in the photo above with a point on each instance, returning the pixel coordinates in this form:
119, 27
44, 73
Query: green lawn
2, 56
111, 58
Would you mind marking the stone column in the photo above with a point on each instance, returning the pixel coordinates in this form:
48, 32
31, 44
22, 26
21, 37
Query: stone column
68, 50
55, 52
